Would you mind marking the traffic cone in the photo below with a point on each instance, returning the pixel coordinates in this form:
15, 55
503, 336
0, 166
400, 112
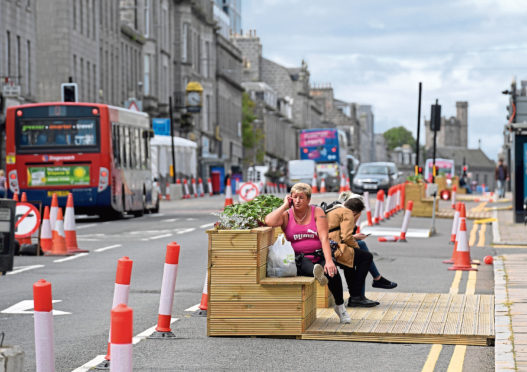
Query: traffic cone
357, 226
202, 311
228, 193
342, 184
53, 210
453, 196
23, 198
186, 194
406, 220
167, 191
15, 197
368, 208
455, 223
46, 238
200, 186
348, 187
59, 240
209, 186
381, 207
314, 188
462, 260
70, 231
462, 217
323, 185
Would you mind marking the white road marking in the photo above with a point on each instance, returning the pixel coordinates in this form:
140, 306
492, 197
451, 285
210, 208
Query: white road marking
80, 227
170, 220
193, 308
108, 247
71, 257
144, 232
27, 306
156, 237
81, 239
190, 219
207, 225
184, 231
136, 339
21, 269
382, 231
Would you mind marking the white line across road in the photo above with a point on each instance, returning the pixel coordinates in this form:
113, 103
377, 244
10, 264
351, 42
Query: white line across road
100, 358
80, 227
207, 225
21, 269
107, 248
184, 231
170, 220
70, 257
156, 237
193, 308
382, 231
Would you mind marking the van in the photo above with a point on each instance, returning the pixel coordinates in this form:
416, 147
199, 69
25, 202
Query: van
300, 171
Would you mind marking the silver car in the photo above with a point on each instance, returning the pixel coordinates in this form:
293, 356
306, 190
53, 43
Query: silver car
375, 176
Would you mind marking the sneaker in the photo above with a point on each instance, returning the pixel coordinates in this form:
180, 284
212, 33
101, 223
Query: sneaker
343, 314
318, 273
360, 301
383, 283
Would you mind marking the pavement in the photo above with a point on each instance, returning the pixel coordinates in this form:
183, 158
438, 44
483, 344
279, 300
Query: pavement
510, 290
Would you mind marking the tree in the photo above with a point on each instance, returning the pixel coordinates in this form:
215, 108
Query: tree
398, 136
252, 135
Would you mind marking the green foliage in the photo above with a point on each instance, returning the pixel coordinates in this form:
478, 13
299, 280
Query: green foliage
252, 136
415, 178
247, 215
398, 136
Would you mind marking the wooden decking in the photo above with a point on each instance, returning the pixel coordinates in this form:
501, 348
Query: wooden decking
471, 214
412, 318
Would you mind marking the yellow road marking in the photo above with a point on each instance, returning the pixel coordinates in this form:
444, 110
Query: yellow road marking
454, 288
458, 357
507, 246
481, 242
485, 220
433, 356
473, 232
471, 282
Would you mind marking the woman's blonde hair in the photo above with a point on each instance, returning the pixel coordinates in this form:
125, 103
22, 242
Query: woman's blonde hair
304, 188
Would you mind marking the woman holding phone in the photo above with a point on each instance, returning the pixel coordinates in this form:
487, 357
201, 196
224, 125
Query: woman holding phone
306, 227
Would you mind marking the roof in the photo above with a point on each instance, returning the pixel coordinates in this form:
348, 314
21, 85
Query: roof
475, 158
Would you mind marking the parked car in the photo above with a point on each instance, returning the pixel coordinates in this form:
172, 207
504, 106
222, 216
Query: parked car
375, 176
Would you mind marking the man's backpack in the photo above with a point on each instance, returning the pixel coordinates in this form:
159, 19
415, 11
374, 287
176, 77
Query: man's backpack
327, 207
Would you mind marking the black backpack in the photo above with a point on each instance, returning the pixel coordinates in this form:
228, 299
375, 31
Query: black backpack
329, 207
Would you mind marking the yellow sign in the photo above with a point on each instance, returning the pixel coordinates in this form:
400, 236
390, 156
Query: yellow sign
59, 193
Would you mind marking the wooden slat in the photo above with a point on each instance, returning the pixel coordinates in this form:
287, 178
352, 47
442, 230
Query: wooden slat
255, 292
289, 280
253, 309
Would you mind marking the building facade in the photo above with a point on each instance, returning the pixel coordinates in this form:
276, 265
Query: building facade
453, 131
367, 135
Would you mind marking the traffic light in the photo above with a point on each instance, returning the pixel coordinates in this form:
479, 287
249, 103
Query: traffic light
420, 170
435, 117
465, 169
186, 122
68, 92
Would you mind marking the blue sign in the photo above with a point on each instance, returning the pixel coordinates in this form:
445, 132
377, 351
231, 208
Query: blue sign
161, 126
525, 169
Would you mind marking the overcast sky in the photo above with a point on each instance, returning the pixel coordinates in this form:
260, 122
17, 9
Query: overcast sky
376, 52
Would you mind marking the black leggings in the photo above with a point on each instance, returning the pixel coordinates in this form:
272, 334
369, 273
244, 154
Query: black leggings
304, 267
356, 276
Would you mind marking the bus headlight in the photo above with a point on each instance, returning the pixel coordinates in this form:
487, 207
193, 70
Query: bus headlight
13, 182
104, 175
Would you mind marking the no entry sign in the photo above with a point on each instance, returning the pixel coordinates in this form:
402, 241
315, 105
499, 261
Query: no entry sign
248, 191
27, 220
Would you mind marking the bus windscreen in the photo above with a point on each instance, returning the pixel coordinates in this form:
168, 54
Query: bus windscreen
43, 135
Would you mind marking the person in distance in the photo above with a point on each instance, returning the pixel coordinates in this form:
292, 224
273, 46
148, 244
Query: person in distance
306, 227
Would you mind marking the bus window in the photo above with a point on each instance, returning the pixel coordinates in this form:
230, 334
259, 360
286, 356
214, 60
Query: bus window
133, 153
137, 142
146, 144
116, 145
124, 152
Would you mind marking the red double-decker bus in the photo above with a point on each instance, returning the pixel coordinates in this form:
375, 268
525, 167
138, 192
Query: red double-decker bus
99, 153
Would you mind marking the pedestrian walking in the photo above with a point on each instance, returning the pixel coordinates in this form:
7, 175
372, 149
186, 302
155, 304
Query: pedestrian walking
501, 176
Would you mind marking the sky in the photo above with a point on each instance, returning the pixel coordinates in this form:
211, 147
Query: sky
377, 51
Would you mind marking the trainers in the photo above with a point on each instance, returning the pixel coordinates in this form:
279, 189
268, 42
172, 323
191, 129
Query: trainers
383, 283
343, 314
361, 301
318, 273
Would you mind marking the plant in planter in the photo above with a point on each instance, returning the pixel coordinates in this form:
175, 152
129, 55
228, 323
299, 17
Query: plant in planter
415, 178
248, 215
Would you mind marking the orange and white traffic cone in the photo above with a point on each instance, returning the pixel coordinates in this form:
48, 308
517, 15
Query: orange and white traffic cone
200, 186
357, 226
462, 260
348, 186
70, 230
15, 197
228, 193
209, 186
377, 213
167, 191
46, 237
323, 185
381, 208
342, 184
53, 210
462, 217
314, 188
121, 341
202, 311
59, 239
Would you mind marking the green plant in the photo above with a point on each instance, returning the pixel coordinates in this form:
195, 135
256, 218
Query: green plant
247, 215
415, 178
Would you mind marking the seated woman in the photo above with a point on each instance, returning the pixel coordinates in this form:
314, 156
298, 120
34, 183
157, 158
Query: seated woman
306, 227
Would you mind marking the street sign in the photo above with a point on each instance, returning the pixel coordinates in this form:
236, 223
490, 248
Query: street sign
248, 191
27, 220
161, 126
9, 90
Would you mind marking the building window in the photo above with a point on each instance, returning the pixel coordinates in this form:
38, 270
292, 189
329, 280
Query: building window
147, 18
206, 63
81, 80
74, 14
88, 86
93, 18
146, 78
8, 53
75, 67
17, 61
81, 16
28, 67
185, 41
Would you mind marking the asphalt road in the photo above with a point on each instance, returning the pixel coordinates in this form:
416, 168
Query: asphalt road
84, 285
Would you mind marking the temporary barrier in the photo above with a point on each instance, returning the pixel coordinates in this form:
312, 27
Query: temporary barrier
209, 187
314, 188
368, 208
203, 306
58, 237
46, 237
43, 321
53, 210
168, 286
453, 196
121, 292
462, 259
406, 220
228, 193
200, 186
70, 230
121, 342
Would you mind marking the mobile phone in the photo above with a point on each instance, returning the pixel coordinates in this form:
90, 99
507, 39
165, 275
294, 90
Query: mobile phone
290, 203
368, 234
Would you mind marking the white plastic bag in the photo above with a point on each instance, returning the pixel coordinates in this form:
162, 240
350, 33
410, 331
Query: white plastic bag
281, 258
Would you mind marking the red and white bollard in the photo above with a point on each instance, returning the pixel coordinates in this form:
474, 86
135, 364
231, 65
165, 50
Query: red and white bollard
203, 306
43, 320
186, 194
200, 186
368, 208
168, 286
453, 196
209, 186
121, 291
381, 207
387, 204
406, 220
122, 331
455, 224
194, 188
377, 208
357, 226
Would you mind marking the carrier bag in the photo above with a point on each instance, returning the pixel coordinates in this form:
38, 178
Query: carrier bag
281, 258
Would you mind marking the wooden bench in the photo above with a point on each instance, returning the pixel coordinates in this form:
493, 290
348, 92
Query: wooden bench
243, 301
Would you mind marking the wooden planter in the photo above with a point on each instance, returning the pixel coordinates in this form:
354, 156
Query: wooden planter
242, 301
423, 206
